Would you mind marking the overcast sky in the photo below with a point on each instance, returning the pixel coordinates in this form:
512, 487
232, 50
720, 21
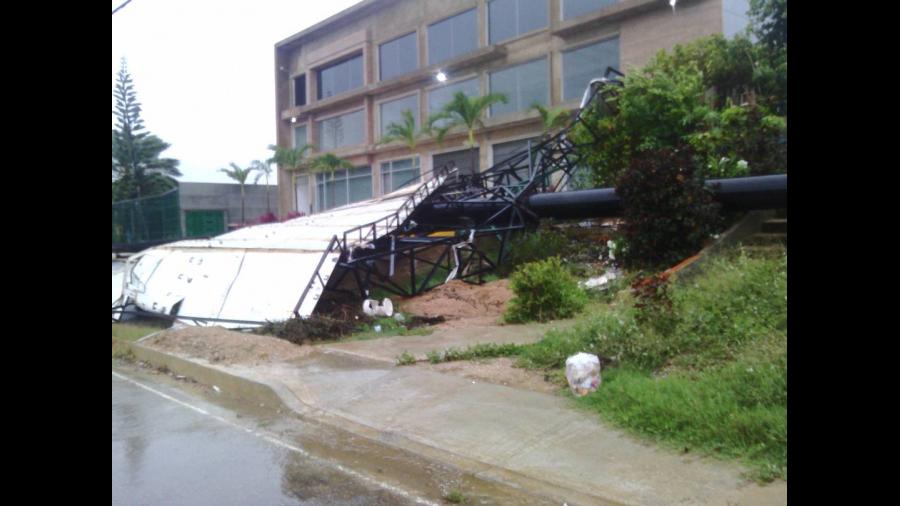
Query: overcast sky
204, 73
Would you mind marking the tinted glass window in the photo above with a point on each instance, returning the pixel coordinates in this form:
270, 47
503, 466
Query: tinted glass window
575, 8
397, 174
398, 56
343, 187
392, 112
299, 136
340, 77
523, 85
509, 18
340, 131
452, 37
582, 65
440, 96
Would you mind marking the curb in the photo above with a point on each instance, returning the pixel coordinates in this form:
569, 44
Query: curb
279, 396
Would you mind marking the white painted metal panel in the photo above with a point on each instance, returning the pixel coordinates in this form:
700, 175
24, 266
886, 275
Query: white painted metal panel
255, 273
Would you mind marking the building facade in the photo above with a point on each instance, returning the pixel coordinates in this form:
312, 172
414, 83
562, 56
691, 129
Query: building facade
340, 82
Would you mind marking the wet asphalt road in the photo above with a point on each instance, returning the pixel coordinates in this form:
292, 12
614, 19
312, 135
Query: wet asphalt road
166, 453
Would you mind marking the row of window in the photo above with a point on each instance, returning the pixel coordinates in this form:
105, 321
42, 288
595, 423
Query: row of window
448, 38
523, 84
354, 185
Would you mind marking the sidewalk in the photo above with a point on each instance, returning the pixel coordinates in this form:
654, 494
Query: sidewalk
389, 348
535, 441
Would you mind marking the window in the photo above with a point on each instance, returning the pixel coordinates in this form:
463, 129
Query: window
397, 174
398, 56
510, 18
523, 85
452, 37
575, 8
300, 136
340, 131
340, 77
343, 187
300, 90
505, 150
466, 160
392, 112
438, 97
582, 65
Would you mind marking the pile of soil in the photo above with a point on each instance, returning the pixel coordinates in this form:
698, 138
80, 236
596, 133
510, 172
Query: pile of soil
219, 345
458, 299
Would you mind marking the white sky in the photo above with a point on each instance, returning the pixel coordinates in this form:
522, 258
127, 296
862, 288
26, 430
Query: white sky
204, 73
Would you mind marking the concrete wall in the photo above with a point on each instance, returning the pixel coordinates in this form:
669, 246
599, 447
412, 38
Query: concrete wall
227, 197
643, 27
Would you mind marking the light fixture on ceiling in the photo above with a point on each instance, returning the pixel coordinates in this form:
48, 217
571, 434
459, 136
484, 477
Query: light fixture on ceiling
441, 76
293, 120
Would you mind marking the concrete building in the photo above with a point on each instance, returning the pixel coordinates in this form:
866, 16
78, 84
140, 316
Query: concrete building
209, 209
340, 82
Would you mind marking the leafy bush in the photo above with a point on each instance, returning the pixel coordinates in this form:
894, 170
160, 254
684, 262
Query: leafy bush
726, 98
668, 211
544, 291
406, 358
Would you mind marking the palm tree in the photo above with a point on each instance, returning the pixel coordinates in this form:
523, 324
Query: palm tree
240, 175
552, 119
263, 169
468, 112
432, 129
329, 163
289, 158
405, 131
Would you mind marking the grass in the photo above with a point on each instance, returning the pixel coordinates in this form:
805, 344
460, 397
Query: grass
132, 333
713, 381
478, 351
389, 328
456, 497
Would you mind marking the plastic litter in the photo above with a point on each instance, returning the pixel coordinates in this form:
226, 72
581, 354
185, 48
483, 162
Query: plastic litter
601, 282
372, 308
583, 373
399, 317
377, 328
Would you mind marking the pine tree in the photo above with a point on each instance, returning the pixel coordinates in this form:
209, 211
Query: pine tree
137, 169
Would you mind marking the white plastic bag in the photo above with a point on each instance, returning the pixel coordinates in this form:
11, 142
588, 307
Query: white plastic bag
583, 373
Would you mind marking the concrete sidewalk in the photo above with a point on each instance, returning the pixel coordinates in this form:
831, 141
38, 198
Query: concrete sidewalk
389, 348
528, 440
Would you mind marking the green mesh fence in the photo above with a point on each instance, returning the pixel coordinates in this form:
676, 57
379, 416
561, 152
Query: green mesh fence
147, 219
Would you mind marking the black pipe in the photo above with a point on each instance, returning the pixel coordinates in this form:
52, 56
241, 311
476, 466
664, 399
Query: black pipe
743, 194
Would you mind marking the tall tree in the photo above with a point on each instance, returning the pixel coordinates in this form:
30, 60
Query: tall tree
468, 112
769, 22
137, 168
289, 158
262, 169
240, 175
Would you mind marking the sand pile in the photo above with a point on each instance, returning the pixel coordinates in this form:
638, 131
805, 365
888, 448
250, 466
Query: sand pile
219, 345
458, 299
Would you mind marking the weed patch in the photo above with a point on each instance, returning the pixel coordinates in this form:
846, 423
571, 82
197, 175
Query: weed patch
478, 351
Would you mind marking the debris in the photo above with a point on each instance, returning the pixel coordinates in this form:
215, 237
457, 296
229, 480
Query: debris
217, 389
377, 328
399, 317
583, 373
601, 282
372, 308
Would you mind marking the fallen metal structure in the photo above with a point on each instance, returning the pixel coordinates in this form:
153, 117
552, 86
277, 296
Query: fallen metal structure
451, 226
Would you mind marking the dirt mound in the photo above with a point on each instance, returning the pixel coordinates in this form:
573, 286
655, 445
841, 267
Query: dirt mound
219, 345
458, 299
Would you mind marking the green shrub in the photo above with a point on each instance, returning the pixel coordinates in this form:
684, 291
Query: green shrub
726, 98
406, 358
668, 212
544, 291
